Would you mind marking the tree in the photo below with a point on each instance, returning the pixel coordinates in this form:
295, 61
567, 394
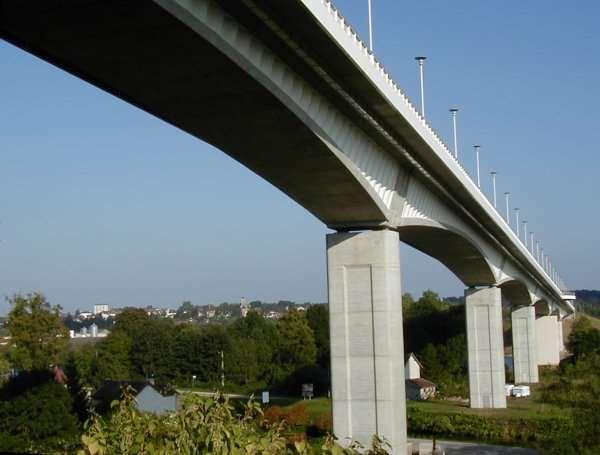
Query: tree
265, 339
37, 416
318, 320
584, 339
114, 358
408, 306
152, 350
38, 334
297, 343
197, 351
429, 303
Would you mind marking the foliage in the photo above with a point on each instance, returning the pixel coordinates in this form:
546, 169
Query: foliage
318, 320
201, 426
37, 415
538, 431
37, 332
294, 416
113, 358
262, 339
297, 347
583, 339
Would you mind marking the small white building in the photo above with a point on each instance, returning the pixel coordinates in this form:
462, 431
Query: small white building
412, 367
244, 307
417, 388
102, 308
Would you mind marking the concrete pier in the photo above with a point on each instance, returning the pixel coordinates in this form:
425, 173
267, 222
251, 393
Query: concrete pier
486, 347
367, 348
547, 334
524, 345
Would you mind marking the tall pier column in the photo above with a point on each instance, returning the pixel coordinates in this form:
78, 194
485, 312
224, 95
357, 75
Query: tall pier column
367, 348
547, 340
525, 363
486, 347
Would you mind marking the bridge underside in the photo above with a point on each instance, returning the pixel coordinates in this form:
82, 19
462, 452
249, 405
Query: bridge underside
288, 128
142, 54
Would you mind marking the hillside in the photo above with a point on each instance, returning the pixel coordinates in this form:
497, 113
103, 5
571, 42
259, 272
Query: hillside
588, 301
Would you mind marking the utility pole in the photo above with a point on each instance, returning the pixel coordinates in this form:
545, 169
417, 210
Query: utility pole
222, 369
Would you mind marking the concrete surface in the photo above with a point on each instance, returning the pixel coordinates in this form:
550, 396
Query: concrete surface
525, 363
367, 352
485, 344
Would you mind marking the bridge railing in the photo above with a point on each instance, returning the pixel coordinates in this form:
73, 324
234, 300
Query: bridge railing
386, 76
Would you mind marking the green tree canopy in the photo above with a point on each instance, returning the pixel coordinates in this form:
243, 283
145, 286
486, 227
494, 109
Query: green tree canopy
584, 339
38, 334
318, 320
297, 343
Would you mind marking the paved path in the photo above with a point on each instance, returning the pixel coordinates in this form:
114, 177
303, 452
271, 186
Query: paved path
473, 448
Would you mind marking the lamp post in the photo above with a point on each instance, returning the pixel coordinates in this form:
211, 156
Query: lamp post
493, 174
525, 235
453, 112
421, 61
370, 28
507, 197
537, 250
477, 147
517, 222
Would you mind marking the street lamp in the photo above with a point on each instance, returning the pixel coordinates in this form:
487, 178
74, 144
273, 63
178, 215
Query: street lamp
517, 222
507, 197
453, 112
493, 174
421, 61
477, 147
370, 28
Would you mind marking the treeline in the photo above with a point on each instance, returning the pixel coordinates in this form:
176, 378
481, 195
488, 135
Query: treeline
251, 353
588, 302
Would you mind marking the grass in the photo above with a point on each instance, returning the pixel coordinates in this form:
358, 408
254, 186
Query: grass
516, 408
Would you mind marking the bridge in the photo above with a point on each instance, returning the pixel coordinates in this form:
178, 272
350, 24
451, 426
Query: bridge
288, 89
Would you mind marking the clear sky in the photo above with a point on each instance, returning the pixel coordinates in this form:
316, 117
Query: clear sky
102, 203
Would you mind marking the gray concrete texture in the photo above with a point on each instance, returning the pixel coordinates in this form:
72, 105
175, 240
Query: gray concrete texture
485, 346
367, 353
525, 363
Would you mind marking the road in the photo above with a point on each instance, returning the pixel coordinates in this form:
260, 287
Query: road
473, 448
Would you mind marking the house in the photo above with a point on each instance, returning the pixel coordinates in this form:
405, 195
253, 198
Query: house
149, 397
419, 389
412, 367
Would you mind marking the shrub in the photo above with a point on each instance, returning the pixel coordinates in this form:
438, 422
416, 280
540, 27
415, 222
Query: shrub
297, 415
273, 414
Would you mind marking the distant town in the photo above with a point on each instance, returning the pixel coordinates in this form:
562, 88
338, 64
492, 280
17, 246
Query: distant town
97, 322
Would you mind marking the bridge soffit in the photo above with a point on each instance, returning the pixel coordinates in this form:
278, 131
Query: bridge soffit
372, 166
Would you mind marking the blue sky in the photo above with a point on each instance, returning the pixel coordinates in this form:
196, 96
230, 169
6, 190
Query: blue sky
102, 203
